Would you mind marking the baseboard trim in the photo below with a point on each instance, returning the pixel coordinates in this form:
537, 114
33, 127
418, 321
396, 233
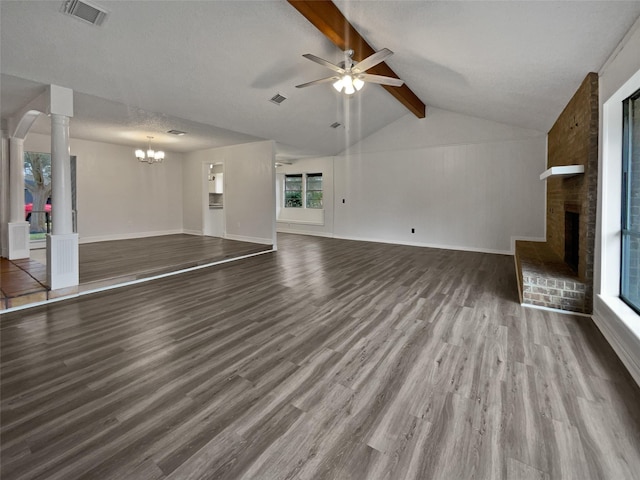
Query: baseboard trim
304, 232
427, 245
623, 341
198, 233
243, 238
300, 222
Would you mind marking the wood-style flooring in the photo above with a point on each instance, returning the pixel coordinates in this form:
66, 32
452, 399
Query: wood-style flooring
109, 263
144, 257
21, 282
328, 359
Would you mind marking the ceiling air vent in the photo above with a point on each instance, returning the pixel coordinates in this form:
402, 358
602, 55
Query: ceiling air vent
177, 132
85, 11
335, 124
278, 99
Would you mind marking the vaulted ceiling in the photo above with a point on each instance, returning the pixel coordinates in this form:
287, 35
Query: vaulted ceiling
210, 67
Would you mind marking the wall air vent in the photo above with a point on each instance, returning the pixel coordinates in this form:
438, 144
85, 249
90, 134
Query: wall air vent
85, 11
335, 124
278, 98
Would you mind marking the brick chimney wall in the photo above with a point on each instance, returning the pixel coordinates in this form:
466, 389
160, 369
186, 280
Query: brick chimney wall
573, 140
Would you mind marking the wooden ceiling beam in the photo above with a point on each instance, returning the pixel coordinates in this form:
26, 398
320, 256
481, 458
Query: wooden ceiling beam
327, 18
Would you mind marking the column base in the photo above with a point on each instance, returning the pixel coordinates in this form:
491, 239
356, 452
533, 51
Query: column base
63, 268
18, 240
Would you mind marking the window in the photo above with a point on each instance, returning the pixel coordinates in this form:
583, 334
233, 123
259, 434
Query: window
630, 262
307, 186
293, 191
314, 190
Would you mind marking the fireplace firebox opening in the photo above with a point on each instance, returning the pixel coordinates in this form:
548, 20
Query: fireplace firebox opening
572, 237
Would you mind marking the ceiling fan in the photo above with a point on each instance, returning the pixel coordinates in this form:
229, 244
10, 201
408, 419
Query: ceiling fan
351, 76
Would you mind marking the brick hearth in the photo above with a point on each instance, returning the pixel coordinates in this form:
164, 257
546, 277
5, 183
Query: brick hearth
545, 280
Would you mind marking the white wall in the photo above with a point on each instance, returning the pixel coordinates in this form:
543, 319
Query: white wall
461, 182
307, 220
439, 128
619, 78
193, 194
249, 190
117, 196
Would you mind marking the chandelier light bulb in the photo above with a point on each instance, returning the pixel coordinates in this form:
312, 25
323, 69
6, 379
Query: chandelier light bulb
151, 156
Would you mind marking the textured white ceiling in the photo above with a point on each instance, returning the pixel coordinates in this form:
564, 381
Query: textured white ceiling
210, 67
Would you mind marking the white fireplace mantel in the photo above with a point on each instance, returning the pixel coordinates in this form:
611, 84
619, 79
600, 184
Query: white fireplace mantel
563, 171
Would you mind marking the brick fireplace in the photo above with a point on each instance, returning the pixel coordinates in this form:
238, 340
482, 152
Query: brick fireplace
558, 273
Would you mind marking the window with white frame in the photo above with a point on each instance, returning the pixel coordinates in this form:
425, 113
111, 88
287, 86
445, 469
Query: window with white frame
313, 190
630, 261
293, 191
303, 190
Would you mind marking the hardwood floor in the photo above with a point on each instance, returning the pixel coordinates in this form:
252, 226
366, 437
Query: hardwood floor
143, 257
117, 262
328, 359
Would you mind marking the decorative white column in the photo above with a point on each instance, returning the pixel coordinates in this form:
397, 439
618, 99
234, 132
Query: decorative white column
62, 244
18, 231
61, 175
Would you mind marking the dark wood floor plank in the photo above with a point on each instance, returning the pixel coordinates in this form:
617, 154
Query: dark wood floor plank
328, 359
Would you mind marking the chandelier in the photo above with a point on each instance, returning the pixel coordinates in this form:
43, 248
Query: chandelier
151, 156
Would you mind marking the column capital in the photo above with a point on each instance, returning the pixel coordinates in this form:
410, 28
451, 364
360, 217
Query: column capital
60, 100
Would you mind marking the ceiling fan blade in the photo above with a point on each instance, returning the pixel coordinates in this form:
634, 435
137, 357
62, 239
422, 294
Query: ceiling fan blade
324, 63
372, 60
379, 79
317, 82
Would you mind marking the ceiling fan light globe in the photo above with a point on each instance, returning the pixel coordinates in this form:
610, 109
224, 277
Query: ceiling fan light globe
338, 85
358, 83
349, 90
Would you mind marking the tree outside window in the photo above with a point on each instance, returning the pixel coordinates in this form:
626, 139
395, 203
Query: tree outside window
293, 191
314, 190
37, 180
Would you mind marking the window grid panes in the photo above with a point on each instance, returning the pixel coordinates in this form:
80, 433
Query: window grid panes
314, 190
630, 271
303, 190
293, 191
